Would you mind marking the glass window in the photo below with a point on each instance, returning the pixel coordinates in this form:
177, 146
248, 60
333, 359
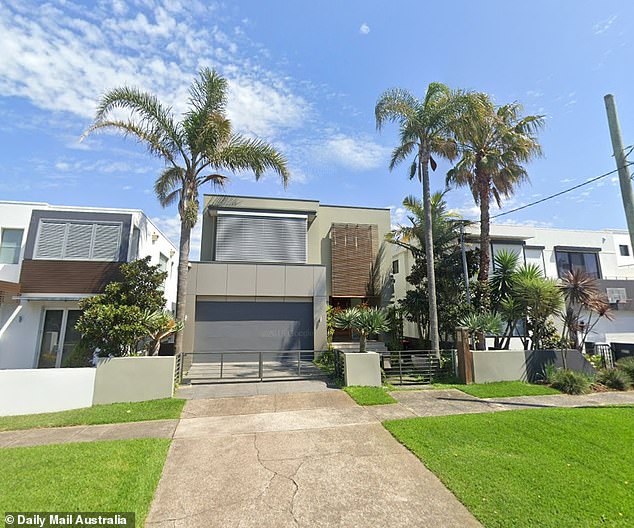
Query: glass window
395, 267
71, 338
10, 246
49, 345
163, 262
134, 243
577, 260
625, 250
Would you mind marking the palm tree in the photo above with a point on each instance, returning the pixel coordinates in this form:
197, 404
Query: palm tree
494, 144
425, 131
200, 148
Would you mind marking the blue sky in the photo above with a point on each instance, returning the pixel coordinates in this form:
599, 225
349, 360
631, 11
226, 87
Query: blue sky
305, 76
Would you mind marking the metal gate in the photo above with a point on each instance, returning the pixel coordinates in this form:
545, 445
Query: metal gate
412, 367
235, 366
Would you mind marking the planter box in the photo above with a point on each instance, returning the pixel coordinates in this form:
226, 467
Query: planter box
133, 379
362, 368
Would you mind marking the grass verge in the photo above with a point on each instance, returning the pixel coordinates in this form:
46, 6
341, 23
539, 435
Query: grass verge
500, 389
115, 476
542, 467
99, 414
369, 395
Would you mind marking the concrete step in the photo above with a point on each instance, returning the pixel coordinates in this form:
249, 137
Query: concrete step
353, 346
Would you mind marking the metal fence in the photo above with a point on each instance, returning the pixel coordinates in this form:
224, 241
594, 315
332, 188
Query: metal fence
422, 367
209, 367
178, 368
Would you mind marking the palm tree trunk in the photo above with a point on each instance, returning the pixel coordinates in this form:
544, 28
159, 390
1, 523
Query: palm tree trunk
362, 342
485, 238
423, 172
181, 285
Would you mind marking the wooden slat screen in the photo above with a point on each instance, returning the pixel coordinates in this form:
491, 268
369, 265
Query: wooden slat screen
353, 250
67, 276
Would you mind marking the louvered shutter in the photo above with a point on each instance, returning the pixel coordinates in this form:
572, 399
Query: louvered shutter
78, 242
261, 239
50, 241
106, 242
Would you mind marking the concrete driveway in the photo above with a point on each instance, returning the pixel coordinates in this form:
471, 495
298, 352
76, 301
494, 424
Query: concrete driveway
304, 459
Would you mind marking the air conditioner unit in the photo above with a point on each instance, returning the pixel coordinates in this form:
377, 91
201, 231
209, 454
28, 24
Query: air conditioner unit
616, 295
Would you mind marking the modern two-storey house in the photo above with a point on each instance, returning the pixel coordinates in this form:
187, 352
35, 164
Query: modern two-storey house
605, 255
51, 257
269, 267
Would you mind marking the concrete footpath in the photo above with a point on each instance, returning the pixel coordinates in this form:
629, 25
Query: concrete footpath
307, 459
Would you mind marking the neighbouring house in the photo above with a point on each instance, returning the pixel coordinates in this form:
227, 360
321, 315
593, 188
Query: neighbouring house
269, 266
605, 255
51, 257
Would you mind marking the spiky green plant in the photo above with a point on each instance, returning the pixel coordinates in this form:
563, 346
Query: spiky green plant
363, 320
197, 149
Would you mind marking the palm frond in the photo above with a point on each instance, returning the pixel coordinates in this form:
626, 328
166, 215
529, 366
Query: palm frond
169, 185
147, 112
245, 154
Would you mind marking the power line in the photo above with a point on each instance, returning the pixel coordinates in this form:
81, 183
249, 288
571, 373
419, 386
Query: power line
588, 182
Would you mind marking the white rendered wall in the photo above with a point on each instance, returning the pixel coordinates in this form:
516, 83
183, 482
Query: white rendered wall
45, 390
154, 248
15, 216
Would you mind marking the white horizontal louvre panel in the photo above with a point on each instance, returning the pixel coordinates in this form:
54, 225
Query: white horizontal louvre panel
78, 241
50, 241
261, 239
106, 242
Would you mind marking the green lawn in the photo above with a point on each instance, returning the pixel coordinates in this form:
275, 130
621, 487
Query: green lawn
369, 395
99, 414
541, 467
100, 476
500, 389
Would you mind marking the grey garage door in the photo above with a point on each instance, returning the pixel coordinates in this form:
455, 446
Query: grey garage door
253, 326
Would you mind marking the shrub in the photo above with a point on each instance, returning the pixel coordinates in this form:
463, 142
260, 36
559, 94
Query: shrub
626, 365
570, 382
596, 360
614, 379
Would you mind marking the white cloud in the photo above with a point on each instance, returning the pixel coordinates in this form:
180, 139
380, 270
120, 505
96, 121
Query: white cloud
171, 228
603, 26
63, 59
354, 153
398, 216
364, 29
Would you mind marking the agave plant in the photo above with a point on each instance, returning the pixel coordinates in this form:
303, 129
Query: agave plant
364, 321
481, 324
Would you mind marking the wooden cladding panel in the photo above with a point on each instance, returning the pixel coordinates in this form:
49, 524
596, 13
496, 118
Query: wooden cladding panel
67, 276
353, 250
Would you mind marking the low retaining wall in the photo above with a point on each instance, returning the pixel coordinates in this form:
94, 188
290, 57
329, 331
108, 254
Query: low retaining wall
30, 391
362, 368
524, 365
134, 379
130, 379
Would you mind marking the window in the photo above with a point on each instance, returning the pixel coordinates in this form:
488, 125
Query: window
394, 267
624, 250
77, 241
134, 243
577, 260
163, 260
10, 246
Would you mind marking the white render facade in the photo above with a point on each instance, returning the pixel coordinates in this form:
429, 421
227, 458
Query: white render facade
51, 257
605, 254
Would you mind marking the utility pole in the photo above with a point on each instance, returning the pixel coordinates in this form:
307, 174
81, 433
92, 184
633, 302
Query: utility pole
621, 164
465, 269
